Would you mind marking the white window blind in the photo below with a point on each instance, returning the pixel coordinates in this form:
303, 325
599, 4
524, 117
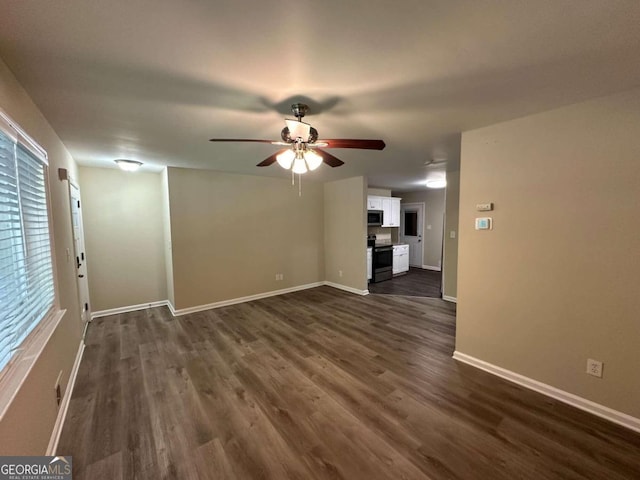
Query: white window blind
26, 270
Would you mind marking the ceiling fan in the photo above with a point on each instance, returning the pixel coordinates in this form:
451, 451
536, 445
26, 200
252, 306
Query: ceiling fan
304, 150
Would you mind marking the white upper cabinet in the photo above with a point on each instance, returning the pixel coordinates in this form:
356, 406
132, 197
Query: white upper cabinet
386, 211
374, 203
390, 207
394, 220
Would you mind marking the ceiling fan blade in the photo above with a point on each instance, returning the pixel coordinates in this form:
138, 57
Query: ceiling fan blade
329, 159
239, 140
354, 143
270, 160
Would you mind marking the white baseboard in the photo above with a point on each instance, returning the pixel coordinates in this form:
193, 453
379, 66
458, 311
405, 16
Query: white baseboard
64, 405
129, 308
248, 298
450, 299
346, 288
223, 303
607, 413
431, 267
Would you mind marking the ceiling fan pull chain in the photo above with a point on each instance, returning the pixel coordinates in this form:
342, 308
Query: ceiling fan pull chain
293, 178
299, 185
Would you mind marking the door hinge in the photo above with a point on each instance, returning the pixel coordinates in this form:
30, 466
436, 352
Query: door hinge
86, 307
78, 203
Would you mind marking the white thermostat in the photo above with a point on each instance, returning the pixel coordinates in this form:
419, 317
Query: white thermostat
484, 223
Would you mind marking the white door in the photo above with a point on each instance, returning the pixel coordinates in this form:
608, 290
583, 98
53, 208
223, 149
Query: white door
80, 256
411, 221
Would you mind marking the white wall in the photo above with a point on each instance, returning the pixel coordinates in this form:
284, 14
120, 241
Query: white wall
556, 280
345, 232
432, 229
451, 233
231, 234
26, 427
124, 237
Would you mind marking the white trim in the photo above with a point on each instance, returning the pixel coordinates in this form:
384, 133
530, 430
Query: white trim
346, 288
431, 267
248, 298
450, 299
607, 413
19, 367
129, 308
224, 303
64, 405
28, 141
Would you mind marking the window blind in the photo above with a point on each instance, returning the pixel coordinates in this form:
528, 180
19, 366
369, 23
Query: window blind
26, 268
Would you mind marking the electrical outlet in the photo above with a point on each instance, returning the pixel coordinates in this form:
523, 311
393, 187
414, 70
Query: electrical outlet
594, 367
340, 273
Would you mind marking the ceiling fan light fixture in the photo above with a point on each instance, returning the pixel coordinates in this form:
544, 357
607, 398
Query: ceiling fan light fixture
128, 165
313, 159
299, 166
285, 159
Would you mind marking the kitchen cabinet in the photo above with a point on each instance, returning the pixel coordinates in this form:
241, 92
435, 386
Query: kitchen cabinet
386, 211
374, 203
391, 212
390, 207
400, 259
369, 263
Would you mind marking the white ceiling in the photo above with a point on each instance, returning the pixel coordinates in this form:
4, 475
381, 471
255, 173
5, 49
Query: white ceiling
153, 80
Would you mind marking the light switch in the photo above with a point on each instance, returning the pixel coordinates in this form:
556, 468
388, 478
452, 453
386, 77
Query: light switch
484, 223
452, 234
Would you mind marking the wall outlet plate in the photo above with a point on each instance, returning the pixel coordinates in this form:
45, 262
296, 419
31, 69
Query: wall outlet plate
594, 367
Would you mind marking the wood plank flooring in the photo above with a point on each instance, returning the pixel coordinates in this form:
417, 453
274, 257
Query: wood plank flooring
318, 384
416, 283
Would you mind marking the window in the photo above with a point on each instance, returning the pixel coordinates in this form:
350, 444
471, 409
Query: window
26, 268
411, 223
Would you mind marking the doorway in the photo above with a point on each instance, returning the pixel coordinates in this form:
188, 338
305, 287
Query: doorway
421, 280
80, 256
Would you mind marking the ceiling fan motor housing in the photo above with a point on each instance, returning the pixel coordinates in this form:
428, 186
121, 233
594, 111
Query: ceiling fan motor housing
299, 110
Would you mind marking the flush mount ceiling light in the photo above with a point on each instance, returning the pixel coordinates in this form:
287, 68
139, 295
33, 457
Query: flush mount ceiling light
436, 183
128, 165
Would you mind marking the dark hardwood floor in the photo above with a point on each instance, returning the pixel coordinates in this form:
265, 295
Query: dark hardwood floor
318, 384
416, 283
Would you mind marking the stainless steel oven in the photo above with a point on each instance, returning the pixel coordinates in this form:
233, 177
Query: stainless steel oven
382, 263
